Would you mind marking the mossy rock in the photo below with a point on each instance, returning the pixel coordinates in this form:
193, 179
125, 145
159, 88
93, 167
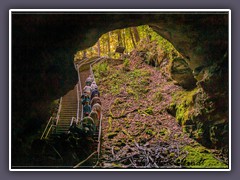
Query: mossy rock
200, 157
181, 73
171, 109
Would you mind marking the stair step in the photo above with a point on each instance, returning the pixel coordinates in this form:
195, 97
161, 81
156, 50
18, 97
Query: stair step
68, 115
69, 111
69, 107
67, 124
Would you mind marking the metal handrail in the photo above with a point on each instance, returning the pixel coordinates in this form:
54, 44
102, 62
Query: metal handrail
99, 138
59, 110
49, 121
78, 102
79, 91
73, 118
48, 127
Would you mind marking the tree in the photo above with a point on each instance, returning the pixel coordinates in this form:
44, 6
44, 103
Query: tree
120, 43
84, 54
136, 34
133, 42
99, 49
109, 47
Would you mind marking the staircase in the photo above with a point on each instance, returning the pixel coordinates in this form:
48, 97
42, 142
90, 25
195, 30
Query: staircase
69, 110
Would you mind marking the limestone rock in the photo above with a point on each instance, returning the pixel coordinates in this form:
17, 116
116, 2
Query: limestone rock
181, 73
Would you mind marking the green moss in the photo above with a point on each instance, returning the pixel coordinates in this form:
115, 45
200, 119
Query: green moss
127, 125
138, 123
101, 69
130, 91
163, 132
126, 65
112, 135
144, 90
116, 149
150, 132
172, 155
200, 157
117, 129
126, 133
183, 103
121, 143
118, 101
157, 97
182, 113
149, 110
109, 124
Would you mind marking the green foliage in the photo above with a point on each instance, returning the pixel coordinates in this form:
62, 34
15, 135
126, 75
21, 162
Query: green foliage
149, 36
157, 96
110, 40
118, 101
112, 135
126, 65
149, 110
200, 157
101, 69
150, 132
115, 81
109, 124
183, 103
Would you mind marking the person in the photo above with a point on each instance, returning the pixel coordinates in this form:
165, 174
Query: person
86, 108
87, 90
95, 100
85, 97
98, 108
88, 126
94, 116
95, 93
75, 129
93, 83
94, 87
89, 80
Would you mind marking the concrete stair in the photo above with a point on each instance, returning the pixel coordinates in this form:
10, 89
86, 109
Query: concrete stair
68, 110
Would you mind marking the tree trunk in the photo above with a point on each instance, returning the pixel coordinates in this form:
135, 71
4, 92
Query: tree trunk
109, 47
133, 42
136, 34
99, 50
124, 40
119, 38
84, 54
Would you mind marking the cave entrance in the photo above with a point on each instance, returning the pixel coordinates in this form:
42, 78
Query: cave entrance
149, 90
